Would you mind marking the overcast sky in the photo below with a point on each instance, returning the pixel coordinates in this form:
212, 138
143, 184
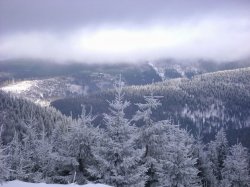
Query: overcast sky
124, 30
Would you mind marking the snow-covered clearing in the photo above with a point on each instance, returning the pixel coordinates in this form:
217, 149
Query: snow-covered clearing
25, 184
44, 91
19, 87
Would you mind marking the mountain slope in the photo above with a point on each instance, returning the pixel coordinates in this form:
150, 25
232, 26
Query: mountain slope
17, 114
45, 81
208, 102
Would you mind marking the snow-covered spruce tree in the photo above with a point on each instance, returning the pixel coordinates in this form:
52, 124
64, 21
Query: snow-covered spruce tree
217, 152
204, 165
82, 138
43, 156
29, 151
63, 163
15, 159
4, 170
179, 163
35, 150
150, 138
117, 159
236, 169
168, 149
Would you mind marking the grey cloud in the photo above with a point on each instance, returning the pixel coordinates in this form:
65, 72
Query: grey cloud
131, 30
218, 40
26, 15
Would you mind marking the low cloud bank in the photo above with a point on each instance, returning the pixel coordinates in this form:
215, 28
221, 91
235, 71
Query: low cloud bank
217, 39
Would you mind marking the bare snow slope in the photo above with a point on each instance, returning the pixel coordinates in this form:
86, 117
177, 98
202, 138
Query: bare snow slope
25, 184
46, 90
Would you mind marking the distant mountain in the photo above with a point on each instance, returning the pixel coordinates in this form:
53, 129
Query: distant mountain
171, 68
208, 101
23, 69
44, 81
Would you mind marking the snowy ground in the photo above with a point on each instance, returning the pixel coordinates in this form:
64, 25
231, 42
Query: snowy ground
24, 184
19, 87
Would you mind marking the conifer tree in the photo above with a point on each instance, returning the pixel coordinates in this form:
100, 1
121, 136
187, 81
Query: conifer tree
179, 162
4, 170
204, 165
43, 155
150, 137
62, 159
168, 149
82, 138
117, 159
15, 159
236, 167
217, 152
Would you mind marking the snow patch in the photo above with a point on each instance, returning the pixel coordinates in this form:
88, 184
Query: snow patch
44, 91
19, 87
160, 72
17, 183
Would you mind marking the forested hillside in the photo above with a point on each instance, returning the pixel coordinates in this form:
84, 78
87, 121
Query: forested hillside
41, 145
208, 102
133, 93
16, 115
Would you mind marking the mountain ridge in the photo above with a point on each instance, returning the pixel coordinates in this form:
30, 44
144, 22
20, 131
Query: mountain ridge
208, 101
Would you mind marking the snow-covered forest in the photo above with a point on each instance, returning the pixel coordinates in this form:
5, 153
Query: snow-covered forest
205, 102
41, 145
129, 93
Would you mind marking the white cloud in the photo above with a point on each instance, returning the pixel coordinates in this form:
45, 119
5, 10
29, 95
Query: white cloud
218, 39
